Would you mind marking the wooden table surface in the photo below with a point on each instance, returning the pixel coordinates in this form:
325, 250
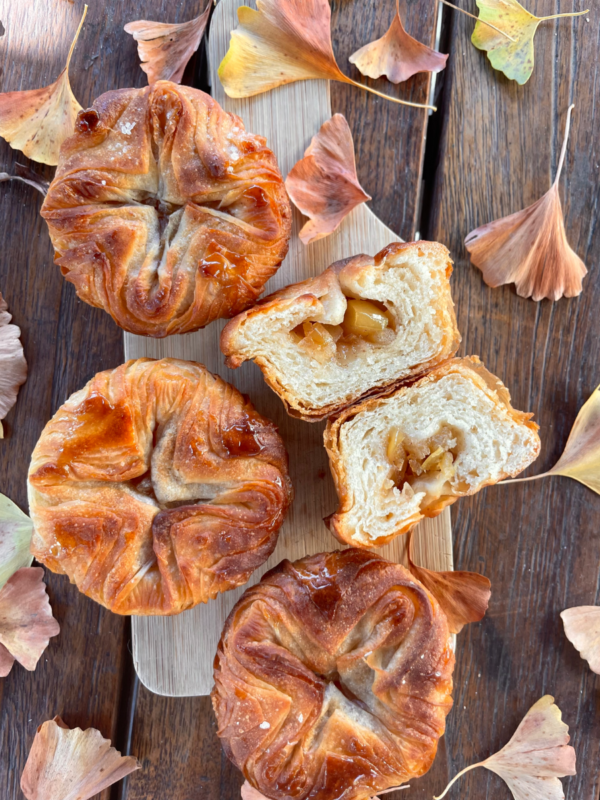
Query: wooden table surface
492, 148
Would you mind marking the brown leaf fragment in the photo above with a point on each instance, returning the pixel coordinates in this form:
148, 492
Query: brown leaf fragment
530, 248
165, 49
582, 629
13, 367
463, 596
71, 764
38, 121
397, 55
324, 184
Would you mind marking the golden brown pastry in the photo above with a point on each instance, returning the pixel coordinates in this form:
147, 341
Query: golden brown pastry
164, 211
157, 486
333, 678
363, 325
405, 456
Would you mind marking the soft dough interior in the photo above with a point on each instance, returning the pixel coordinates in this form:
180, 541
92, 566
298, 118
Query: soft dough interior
439, 439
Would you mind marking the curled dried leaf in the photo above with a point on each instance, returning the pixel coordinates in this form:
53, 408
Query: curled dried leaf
281, 42
71, 764
582, 629
13, 367
324, 184
463, 596
397, 55
16, 530
530, 248
514, 58
39, 120
535, 758
165, 49
26, 621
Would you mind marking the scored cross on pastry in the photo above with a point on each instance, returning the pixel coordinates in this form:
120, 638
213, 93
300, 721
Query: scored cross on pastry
156, 487
164, 211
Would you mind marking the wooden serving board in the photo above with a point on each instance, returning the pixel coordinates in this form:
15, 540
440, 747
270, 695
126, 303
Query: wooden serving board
174, 655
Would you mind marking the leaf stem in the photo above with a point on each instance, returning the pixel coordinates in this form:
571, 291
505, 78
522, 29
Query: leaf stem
77, 32
387, 96
482, 21
456, 777
563, 150
566, 14
530, 478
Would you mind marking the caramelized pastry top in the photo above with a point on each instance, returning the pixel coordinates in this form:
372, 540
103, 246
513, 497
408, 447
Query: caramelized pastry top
156, 487
333, 678
165, 212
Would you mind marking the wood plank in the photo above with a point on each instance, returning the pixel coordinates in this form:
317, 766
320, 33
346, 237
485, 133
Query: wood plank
538, 542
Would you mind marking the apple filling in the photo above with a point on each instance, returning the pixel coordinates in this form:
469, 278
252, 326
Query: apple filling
423, 465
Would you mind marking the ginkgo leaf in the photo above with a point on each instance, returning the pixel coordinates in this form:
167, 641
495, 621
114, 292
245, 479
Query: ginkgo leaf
397, 55
13, 367
535, 758
165, 49
581, 457
71, 764
514, 58
463, 596
282, 42
582, 628
26, 621
38, 121
530, 248
324, 184
16, 530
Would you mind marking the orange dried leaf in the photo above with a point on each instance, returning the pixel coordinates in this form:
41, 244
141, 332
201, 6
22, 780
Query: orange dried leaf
463, 596
582, 628
71, 764
165, 49
530, 248
26, 621
281, 42
39, 120
13, 367
324, 184
535, 758
397, 55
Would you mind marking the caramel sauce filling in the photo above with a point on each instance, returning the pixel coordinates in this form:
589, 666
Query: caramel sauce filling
426, 466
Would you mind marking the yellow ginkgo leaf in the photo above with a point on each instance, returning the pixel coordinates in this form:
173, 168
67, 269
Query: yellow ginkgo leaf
37, 121
514, 58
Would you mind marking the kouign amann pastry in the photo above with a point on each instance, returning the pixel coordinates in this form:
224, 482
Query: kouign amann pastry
164, 211
366, 323
333, 678
156, 487
405, 456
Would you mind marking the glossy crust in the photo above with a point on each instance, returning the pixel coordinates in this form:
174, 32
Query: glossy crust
333, 678
118, 479
164, 211
308, 293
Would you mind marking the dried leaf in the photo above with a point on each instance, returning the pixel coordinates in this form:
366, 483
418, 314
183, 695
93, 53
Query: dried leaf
463, 596
324, 184
282, 42
535, 758
13, 367
41, 186
530, 248
26, 621
16, 530
582, 628
71, 764
581, 457
513, 58
39, 120
165, 49
397, 55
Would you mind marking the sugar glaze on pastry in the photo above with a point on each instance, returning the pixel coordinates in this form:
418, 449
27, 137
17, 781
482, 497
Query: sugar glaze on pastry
406, 456
156, 487
164, 211
333, 678
362, 325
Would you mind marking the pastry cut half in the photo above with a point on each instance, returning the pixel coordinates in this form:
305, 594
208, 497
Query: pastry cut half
364, 324
400, 458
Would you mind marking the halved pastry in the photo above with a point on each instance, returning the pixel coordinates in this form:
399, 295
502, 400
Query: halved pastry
405, 456
362, 325
157, 486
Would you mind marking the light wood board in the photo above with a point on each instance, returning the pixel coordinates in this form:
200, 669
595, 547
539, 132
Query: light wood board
174, 655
